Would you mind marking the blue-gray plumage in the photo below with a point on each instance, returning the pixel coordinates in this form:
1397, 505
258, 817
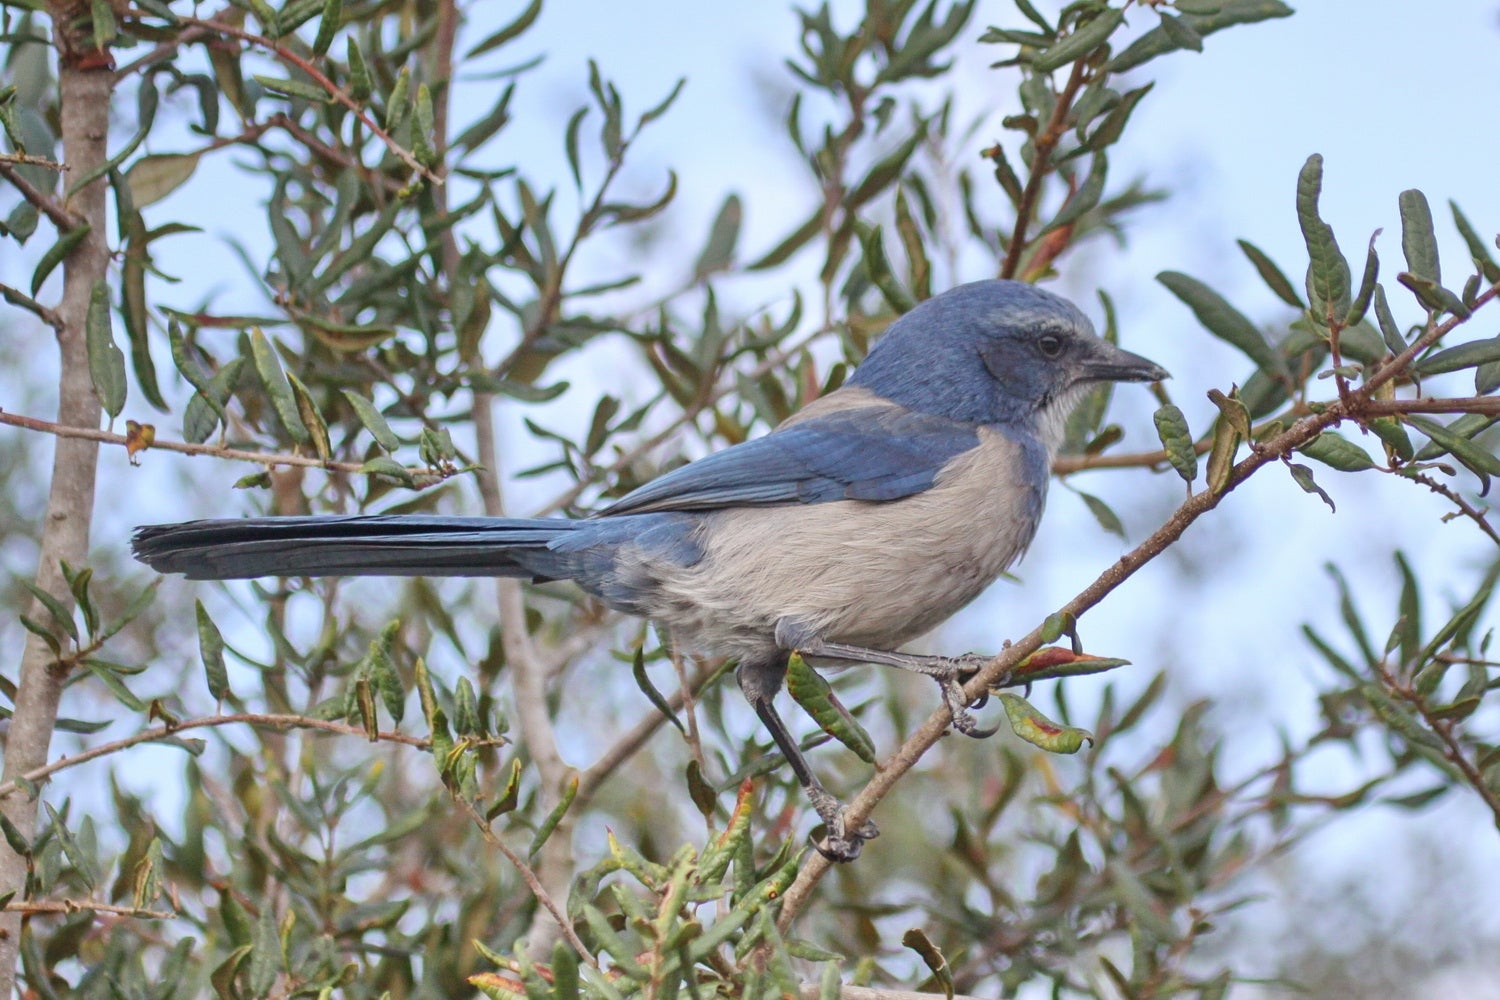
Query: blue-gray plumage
858, 524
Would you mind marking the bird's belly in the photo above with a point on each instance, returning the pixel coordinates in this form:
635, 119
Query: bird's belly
872, 574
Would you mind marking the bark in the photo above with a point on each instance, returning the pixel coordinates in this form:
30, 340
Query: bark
85, 101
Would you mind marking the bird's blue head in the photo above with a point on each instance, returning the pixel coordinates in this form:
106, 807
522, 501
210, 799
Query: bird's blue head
997, 352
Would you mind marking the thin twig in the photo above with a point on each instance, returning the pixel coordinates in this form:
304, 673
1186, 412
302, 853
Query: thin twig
1041, 165
318, 77
1453, 750
33, 907
1454, 497
270, 460
164, 732
49, 206
532, 882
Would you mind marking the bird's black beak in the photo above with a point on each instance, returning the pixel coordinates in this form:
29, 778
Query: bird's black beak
1109, 363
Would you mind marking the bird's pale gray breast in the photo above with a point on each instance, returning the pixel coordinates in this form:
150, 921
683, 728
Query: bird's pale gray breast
873, 574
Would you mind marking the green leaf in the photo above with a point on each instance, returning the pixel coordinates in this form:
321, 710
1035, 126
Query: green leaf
373, 421
809, 690
718, 253
1470, 355
1478, 460
1477, 249
544, 832
1040, 731
1222, 320
511, 794
1158, 42
328, 25
1272, 275
206, 408
59, 612
152, 178
1418, 241
1085, 198
1361, 303
1107, 518
307, 410
1327, 270
1394, 342
106, 362
382, 466
1081, 42
211, 648
1172, 428
56, 253
643, 681
510, 31
278, 389
1337, 452
295, 89
1303, 477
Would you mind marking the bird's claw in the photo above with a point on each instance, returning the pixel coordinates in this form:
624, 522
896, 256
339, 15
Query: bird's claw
962, 670
838, 843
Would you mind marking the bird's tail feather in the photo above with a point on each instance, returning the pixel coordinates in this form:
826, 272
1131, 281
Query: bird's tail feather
360, 545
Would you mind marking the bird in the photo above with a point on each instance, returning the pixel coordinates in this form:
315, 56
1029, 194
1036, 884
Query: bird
859, 523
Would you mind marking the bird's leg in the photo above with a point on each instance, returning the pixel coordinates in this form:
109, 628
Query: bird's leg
760, 680
949, 671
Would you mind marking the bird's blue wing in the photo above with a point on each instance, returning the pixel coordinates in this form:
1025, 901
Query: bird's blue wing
869, 453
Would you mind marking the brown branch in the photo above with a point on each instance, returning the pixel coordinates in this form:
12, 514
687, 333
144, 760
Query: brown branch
1464, 507
318, 77
166, 731
69, 906
1489, 405
1041, 165
1453, 750
565, 926
45, 203
270, 460
25, 159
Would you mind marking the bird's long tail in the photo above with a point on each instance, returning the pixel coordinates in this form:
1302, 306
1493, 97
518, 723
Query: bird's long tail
360, 545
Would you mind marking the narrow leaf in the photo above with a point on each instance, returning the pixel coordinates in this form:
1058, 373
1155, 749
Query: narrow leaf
106, 362
211, 648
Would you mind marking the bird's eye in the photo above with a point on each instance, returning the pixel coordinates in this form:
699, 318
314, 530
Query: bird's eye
1050, 344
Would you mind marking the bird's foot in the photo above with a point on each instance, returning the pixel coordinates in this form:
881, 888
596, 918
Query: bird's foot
839, 843
963, 670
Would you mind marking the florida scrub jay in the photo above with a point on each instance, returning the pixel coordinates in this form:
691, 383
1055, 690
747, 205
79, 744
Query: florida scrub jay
858, 524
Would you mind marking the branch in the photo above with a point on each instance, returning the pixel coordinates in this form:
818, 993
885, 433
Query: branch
166, 731
33, 907
318, 77
271, 460
49, 206
565, 926
1041, 160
